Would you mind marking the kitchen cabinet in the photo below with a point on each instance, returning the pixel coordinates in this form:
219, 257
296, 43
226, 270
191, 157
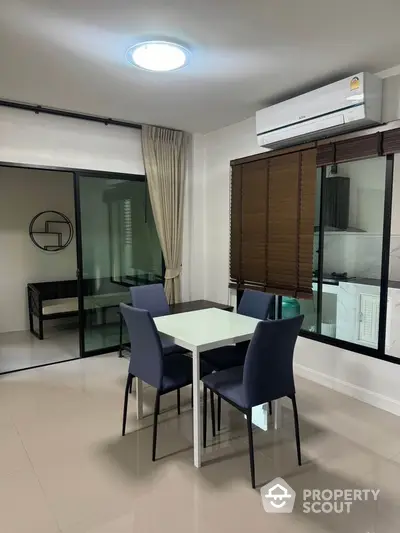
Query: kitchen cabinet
357, 316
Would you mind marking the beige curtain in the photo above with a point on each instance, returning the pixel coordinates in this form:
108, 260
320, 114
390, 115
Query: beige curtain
164, 153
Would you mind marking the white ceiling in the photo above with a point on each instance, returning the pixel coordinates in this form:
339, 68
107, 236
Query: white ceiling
70, 54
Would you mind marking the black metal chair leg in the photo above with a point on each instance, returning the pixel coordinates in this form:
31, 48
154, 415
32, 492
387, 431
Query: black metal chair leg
178, 400
251, 449
297, 429
120, 335
155, 424
219, 413
127, 387
204, 416
130, 386
41, 328
270, 408
212, 413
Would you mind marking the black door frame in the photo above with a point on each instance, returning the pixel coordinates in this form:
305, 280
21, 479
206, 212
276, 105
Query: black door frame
78, 174
380, 351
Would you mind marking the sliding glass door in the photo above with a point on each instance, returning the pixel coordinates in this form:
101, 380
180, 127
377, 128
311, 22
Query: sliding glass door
119, 248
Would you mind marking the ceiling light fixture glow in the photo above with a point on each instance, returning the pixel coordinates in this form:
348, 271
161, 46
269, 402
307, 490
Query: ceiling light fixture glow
158, 56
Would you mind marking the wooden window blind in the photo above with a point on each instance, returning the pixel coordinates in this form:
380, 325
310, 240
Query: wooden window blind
391, 141
272, 224
350, 149
357, 148
339, 149
254, 221
307, 191
326, 154
236, 222
375, 145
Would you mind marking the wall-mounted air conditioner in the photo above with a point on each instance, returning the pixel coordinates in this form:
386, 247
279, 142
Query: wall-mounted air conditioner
345, 105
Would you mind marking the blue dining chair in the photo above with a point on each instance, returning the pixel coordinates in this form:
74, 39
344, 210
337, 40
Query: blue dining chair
255, 304
267, 375
148, 363
151, 297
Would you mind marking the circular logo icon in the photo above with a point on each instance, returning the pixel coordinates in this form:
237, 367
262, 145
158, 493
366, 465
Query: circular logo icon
51, 231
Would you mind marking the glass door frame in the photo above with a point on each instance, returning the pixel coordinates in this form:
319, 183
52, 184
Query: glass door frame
78, 174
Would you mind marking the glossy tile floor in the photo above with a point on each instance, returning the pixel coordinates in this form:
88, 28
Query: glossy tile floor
21, 349
65, 468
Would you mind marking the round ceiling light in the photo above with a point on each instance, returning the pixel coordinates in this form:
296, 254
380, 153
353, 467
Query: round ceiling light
159, 56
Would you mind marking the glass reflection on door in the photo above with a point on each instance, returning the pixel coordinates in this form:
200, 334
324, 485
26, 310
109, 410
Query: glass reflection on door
120, 249
353, 236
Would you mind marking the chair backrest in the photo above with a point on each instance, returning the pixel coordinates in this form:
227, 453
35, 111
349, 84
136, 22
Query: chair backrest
268, 367
146, 360
150, 297
255, 304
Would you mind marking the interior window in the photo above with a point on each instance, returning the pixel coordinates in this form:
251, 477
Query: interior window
352, 250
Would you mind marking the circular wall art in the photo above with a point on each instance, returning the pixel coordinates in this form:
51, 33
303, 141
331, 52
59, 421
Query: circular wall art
51, 231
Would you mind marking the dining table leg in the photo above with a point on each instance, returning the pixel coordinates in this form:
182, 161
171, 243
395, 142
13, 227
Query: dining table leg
196, 408
139, 398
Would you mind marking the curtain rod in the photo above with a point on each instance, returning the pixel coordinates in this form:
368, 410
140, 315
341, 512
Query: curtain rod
68, 114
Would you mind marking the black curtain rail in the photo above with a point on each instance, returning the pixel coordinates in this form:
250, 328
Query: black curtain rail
68, 114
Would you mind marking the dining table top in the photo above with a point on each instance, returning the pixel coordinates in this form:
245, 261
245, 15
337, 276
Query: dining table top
205, 329
197, 305
175, 309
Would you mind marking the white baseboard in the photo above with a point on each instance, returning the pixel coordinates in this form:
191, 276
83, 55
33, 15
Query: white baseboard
364, 395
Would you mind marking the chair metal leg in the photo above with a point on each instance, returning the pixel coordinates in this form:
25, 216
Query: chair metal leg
212, 413
120, 335
251, 449
127, 387
219, 412
156, 412
204, 416
130, 387
296, 428
178, 400
270, 408
40, 328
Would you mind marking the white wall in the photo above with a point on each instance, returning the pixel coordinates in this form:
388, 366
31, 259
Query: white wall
193, 282
391, 99
238, 140
46, 140
23, 194
368, 379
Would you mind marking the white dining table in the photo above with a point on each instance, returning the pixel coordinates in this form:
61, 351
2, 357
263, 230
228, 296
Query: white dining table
199, 331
